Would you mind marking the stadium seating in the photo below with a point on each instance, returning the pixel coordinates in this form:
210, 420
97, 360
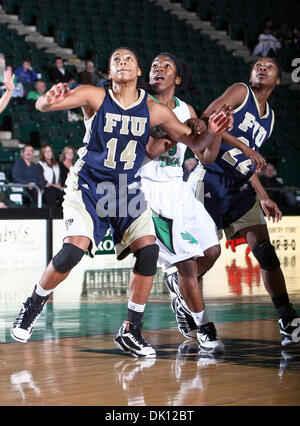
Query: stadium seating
148, 29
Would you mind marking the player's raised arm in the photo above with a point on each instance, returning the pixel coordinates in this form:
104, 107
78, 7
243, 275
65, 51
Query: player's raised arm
235, 96
61, 97
208, 155
156, 147
9, 85
161, 115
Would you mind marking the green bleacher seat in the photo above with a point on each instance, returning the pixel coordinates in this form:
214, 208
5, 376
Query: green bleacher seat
29, 132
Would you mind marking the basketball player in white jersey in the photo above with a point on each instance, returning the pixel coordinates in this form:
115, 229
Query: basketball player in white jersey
185, 232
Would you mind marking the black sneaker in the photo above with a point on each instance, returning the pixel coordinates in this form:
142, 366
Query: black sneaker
22, 327
129, 338
208, 340
185, 321
289, 326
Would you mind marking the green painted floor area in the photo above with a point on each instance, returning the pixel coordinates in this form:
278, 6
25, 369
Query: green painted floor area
86, 319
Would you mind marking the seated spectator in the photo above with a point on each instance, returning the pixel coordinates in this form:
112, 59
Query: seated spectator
267, 44
26, 172
66, 160
50, 172
91, 75
39, 89
277, 191
59, 74
25, 73
6, 202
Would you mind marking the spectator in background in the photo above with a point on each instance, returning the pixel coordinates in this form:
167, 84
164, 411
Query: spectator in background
285, 34
25, 73
91, 75
39, 89
281, 194
268, 24
26, 172
267, 44
66, 160
50, 173
2, 203
60, 74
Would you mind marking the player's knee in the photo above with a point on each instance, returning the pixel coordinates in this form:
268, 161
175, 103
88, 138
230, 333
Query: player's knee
266, 256
212, 253
67, 258
146, 260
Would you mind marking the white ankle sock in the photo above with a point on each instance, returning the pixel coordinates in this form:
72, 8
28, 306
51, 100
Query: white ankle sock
200, 318
135, 306
41, 292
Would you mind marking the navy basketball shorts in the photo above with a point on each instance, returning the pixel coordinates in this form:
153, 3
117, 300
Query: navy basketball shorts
90, 208
233, 205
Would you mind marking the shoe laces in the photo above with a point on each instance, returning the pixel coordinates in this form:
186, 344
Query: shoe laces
209, 329
28, 314
135, 329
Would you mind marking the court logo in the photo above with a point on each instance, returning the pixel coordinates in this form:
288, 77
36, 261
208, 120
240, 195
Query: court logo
296, 332
296, 72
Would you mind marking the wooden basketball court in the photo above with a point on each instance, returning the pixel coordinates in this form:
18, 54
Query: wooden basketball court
91, 371
71, 359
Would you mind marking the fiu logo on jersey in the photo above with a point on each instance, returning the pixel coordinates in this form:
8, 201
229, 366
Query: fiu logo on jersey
135, 124
258, 134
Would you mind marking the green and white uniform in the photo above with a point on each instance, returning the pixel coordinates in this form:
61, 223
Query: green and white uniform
183, 227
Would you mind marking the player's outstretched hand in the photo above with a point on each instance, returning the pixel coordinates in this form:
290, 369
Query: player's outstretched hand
256, 158
221, 120
9, 80
58, 93
271, 210
197, 125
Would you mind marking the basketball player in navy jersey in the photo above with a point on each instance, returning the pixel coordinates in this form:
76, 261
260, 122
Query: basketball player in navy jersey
228, 184
103, 189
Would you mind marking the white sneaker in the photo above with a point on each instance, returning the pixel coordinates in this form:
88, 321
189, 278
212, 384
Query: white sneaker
208, 340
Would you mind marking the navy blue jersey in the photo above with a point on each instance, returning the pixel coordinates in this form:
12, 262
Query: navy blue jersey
118, 140
250, 129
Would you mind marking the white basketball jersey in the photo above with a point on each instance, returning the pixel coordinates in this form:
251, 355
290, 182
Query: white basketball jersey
168, 165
